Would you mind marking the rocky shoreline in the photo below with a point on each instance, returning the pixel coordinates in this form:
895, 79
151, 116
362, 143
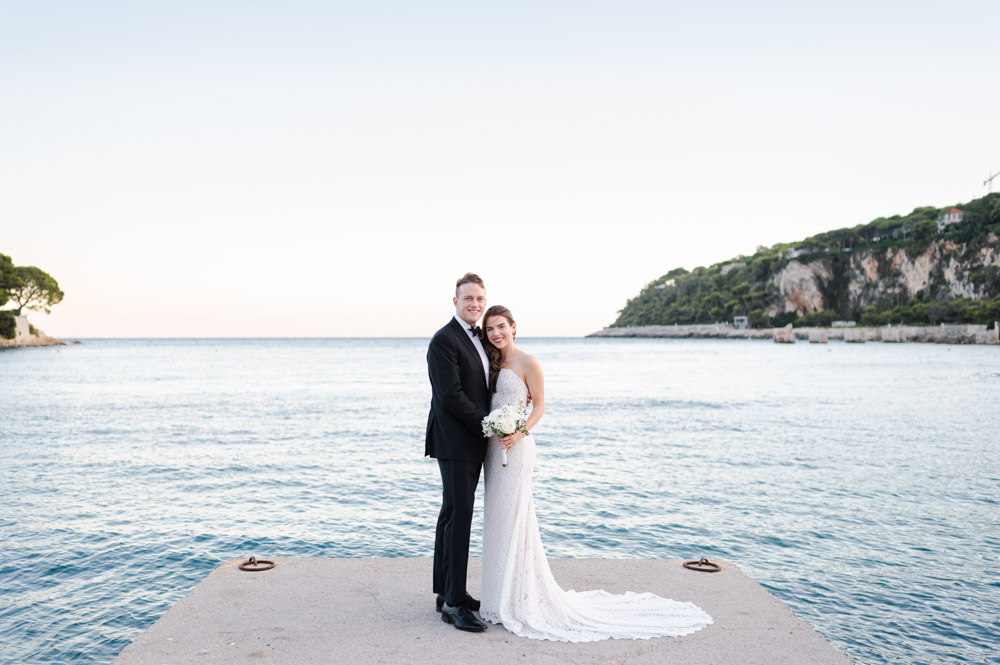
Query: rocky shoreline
943, 334
24, 337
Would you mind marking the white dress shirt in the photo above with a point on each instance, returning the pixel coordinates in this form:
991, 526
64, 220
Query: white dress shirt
479, 347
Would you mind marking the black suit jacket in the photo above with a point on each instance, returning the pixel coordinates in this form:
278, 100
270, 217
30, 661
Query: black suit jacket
460, 398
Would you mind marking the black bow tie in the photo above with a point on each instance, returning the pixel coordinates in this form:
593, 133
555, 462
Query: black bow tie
477, 331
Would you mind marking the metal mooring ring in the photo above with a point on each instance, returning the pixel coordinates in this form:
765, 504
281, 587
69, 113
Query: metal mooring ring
254, 566
703, 566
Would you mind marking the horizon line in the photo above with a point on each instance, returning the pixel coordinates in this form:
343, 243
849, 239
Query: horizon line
75, 338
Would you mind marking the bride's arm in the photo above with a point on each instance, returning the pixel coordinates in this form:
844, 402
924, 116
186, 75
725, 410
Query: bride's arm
536, 388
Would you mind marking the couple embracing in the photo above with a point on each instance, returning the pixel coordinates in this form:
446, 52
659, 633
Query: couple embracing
472, 371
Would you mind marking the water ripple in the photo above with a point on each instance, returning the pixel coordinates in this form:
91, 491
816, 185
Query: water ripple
869, 507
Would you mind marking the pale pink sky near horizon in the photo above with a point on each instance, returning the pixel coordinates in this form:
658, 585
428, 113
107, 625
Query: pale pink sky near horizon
328, 170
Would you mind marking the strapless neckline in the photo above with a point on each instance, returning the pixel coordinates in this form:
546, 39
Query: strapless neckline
509, 391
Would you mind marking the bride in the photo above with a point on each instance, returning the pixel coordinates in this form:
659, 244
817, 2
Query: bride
517, 587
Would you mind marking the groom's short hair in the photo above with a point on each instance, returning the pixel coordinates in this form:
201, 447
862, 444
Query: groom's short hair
469, 278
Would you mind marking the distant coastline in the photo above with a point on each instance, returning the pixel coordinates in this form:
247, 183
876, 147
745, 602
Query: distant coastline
27, 335
941, 334
933, 266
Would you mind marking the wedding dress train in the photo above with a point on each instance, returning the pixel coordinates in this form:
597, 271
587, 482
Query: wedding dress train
518, 589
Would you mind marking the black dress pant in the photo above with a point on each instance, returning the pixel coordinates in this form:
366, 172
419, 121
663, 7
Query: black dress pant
451, 543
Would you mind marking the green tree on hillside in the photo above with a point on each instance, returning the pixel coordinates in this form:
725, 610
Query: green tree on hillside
8, 278
745, 285
37, 291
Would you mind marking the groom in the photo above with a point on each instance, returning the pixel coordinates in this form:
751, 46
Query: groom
460, 399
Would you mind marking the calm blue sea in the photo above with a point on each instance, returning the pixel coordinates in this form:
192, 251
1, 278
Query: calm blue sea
858, 483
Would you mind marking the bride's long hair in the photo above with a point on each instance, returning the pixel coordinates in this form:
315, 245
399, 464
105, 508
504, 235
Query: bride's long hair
492, 352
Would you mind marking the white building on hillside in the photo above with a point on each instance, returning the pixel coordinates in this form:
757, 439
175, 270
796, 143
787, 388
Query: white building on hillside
953, 216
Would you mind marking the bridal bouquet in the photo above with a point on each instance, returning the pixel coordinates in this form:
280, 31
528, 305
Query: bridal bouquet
506, 420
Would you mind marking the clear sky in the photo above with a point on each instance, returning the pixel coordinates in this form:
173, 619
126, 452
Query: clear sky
235, 169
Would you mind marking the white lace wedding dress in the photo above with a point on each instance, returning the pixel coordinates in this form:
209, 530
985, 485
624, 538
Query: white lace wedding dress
517, 587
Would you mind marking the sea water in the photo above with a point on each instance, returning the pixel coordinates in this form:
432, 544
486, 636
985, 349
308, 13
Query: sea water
858, 483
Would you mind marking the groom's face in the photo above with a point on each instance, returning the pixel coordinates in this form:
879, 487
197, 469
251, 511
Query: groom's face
470, 302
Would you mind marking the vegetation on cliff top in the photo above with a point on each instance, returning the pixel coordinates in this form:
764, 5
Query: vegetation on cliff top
28, 288
746, 285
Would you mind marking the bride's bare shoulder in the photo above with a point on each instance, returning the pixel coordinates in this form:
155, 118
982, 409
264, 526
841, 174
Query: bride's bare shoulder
528, 365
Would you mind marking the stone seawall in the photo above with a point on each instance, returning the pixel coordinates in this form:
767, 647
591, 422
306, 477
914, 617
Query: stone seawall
714, 331
944, 334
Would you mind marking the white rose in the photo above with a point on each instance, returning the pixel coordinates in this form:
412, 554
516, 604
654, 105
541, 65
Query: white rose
507, 422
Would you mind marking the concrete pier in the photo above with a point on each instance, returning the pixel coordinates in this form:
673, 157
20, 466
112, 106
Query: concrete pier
360, 611
818, 336
784, 335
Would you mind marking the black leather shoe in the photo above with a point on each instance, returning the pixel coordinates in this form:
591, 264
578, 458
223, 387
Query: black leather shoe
469, 602
462, 618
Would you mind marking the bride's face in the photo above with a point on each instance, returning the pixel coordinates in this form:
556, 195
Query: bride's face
500, 331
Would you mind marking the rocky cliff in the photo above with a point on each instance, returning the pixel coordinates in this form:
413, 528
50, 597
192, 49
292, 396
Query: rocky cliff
944, 271
934, 265
26, 335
